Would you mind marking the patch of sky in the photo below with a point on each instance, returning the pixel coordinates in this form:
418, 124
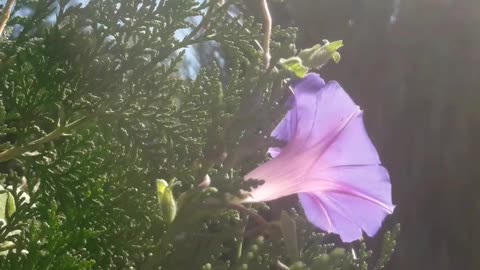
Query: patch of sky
191, 65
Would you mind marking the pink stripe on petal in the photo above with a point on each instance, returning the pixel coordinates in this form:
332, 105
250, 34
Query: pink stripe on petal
367, 181
319, 114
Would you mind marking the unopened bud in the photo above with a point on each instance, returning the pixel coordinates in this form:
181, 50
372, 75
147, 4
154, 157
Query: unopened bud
168, 206
7, 204
319, 55
294, 65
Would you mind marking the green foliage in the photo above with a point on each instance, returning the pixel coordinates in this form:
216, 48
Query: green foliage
93, 111
316, 253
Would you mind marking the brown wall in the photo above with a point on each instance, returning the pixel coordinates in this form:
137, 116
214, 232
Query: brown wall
418, 80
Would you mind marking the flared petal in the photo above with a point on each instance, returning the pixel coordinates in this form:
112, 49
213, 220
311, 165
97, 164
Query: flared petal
349, 199
342, 214
321, 213
329, 161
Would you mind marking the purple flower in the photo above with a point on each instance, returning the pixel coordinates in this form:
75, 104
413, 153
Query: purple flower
329, 161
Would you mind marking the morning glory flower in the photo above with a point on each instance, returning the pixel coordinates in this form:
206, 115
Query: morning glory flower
328, 160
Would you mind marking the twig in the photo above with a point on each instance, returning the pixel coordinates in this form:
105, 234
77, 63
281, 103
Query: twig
262, 224
281, 266
6, 15
58, 132
267, 31
239, 244
247, 212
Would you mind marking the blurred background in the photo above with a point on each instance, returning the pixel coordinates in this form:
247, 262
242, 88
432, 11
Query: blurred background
414, 67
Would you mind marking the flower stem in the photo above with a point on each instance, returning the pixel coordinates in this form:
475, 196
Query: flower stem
267, 31
7, 10
62, 129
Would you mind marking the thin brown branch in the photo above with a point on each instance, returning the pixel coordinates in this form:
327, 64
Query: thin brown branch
58, 132
7, 10
247, 212
281, 266
262, 224
242, 209
267, 31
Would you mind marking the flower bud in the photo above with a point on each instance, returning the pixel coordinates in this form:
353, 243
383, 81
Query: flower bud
318, 55
168, 206
7, 204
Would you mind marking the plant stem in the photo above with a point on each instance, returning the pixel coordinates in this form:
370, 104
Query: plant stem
267, 31
240, 242
7, 10
281, 266
58, 132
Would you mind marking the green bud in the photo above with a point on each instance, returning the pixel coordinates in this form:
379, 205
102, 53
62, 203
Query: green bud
306, 53
318, 55
168, 206
294, 65
7, 204
10, 205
